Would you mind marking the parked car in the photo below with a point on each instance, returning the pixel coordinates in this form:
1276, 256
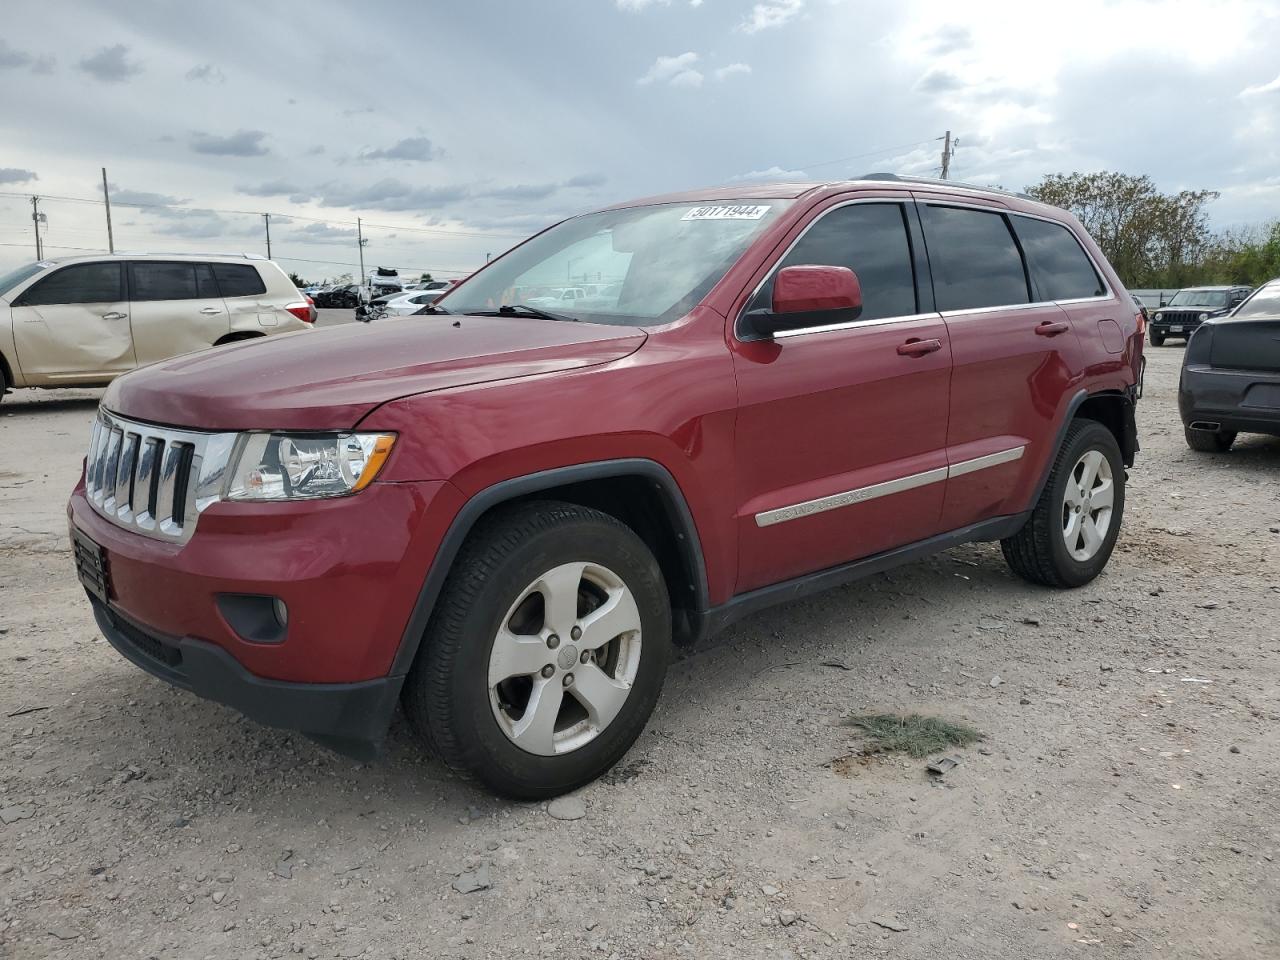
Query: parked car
1230, 382
83, 321
403, 304
508, 526
1190, 307
342, 296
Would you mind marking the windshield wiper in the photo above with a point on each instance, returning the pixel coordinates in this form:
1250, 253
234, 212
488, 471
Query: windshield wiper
523, 309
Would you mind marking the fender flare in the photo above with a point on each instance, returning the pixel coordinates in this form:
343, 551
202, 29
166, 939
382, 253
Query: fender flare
678, 514
1073, 405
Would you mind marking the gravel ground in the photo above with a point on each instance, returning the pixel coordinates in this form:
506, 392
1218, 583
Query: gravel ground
1125, 801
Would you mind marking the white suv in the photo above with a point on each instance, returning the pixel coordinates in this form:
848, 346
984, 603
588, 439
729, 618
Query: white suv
83, 321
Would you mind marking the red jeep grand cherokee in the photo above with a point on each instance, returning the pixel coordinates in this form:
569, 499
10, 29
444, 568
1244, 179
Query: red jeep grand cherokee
505, 516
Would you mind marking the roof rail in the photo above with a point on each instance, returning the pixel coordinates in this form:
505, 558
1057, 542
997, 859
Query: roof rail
981, 188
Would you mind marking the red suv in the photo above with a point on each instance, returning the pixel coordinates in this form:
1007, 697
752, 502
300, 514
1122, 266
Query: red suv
505, 517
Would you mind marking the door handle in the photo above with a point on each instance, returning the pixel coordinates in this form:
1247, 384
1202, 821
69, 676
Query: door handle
115, 315
1051, 328
918, 348
210, 310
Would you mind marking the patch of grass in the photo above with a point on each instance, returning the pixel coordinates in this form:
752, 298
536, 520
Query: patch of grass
912, 734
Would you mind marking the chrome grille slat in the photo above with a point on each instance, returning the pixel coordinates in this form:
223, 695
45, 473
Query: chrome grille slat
137, 472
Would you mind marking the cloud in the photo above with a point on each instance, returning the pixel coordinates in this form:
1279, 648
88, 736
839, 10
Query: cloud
272, 188
950, 39
316, 150
323, 233
206, 73
111, 64
11, 59
418, 149
732, 70
678, 71
774, 173
1261, 88
938, 81
388, 194
584, 180
522, 191
766, 16
636, 5
242, 143
16, 175
141, 198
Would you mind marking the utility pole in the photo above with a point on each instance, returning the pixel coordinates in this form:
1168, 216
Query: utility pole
106, 196
266, 219
360, 243
35, 222
948, 151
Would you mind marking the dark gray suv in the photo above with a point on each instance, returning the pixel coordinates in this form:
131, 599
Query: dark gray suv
1190, 307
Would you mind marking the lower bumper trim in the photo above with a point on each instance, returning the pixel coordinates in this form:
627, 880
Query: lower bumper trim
351, 718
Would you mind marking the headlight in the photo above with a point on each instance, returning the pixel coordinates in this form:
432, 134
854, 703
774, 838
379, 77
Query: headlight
1203, 317
306, 466
1159, 315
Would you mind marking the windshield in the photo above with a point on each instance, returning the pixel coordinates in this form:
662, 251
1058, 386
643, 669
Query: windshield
14, 277
640, 265
1264, 303
1199, 298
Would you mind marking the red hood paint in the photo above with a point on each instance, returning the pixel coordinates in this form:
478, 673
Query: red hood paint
329, 379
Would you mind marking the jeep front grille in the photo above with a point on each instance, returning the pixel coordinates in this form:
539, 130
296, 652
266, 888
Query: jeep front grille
154, 480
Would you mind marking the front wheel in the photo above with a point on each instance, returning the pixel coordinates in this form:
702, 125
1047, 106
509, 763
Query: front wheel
1157, 338
1073, 529
546, 653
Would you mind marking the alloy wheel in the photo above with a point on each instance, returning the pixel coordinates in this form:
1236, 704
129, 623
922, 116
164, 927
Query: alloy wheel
1087, 505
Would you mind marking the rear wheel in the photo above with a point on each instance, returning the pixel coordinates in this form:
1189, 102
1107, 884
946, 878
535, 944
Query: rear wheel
1157, 338
546, 653
1209, 441
4, 383
1073, 529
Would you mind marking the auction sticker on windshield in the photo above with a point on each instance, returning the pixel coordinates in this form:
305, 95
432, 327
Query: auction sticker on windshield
721, 212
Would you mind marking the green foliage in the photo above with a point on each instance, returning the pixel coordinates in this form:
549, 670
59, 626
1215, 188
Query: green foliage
298, 281
426, 278
913, 734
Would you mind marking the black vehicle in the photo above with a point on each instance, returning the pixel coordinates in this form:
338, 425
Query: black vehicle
1230, 379
1190, 307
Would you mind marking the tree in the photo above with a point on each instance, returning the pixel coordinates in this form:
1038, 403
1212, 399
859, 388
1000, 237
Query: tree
298, 281
426, 278
1152, 239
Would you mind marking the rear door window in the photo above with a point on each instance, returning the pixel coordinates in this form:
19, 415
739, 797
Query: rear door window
78, 283
871, 240
1060, 269
239, 280
151, 280
974, 259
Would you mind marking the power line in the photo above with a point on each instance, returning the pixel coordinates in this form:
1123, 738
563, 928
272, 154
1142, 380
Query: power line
862, 156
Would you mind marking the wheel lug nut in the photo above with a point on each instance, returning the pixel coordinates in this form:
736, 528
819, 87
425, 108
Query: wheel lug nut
576, 633
553, 641
586, 655
568, 679
548, 670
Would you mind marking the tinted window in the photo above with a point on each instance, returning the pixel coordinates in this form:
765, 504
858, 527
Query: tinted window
238, 280
206, 286
974, 259
871, 240
162, 281
1264, 303
1060, 269
80, 283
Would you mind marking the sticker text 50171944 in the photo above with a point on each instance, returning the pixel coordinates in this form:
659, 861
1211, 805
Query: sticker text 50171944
752, 211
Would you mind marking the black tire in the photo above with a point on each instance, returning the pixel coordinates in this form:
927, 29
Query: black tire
446, 695
1038, 553
1157, 339
4, 383
1209, 441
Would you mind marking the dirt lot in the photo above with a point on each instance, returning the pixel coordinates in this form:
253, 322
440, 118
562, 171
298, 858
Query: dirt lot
1125, 802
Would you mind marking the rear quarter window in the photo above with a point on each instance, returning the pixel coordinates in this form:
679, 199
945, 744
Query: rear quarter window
239, 280
1060, 269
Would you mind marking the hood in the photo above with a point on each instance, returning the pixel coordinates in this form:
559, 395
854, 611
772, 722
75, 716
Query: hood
328, 379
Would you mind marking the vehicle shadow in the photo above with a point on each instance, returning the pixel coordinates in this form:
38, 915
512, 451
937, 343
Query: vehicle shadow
29, 402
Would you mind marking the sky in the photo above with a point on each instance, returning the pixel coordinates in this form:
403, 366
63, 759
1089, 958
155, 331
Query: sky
454, 128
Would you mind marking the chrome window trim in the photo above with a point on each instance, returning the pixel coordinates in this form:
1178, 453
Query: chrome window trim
835, 501
900, 200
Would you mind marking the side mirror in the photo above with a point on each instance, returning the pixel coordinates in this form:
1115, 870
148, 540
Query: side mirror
809, 296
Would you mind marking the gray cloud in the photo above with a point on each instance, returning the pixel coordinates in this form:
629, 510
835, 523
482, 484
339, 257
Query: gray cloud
242, 143
938, 81
15, 175
111, 64
206, 73
315, 151
389, 194
419, 149
272, 188
522, 191
584, 180
141, 198
950, 39
11, 59
322, 233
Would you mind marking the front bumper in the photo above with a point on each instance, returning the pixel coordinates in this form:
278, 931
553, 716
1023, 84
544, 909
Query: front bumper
1240, 401
351, 718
